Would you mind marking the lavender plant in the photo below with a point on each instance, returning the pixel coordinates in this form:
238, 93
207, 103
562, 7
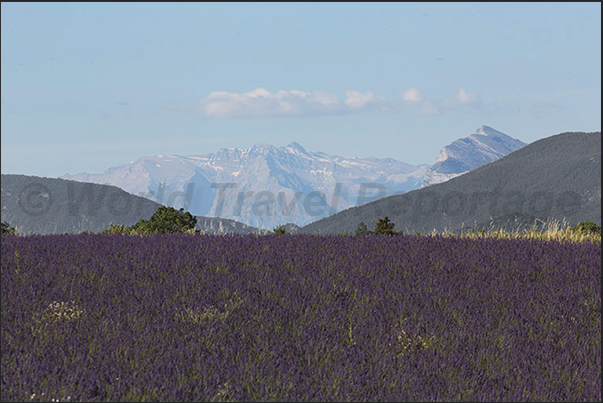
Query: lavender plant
299, 318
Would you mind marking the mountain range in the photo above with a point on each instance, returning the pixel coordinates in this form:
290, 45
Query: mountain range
557, 178
265, 186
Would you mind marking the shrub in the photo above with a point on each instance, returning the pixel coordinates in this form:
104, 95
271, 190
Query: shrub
587, 227
7, 229
119, 229
280, 230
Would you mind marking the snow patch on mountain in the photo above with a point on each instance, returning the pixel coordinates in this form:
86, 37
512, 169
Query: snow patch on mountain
262, 186
266, 186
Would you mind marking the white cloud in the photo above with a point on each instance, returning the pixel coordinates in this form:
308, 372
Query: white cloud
358, 100
465, 97
300, 93
411, 95
295, 103
415, 104
463, 102
326, 98
263, 103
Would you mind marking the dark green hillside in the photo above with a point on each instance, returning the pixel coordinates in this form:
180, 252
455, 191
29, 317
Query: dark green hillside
556, 178
36, 205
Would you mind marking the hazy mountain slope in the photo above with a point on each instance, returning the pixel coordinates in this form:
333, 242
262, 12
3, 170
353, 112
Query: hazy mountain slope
483, 146
35, 205
263, 186
557, 177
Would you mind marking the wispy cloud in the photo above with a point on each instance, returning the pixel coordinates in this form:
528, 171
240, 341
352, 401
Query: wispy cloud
295, 103
414, 103
263, 103
463, 100
412, 95
358, 100
465, 97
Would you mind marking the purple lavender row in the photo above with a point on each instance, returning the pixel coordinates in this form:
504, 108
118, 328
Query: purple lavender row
299, 318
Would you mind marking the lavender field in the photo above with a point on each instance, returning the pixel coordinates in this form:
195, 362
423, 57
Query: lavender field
299, 318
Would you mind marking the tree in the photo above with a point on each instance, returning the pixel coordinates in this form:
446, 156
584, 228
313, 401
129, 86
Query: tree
167, 220
280, 230
7, 229
384, 227
362, 229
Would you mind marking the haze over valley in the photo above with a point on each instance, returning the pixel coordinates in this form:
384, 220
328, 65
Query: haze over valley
265, 186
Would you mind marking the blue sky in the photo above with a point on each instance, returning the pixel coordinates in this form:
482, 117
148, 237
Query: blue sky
88, 86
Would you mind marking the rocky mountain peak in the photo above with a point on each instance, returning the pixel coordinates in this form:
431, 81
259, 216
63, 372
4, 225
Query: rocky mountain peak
462, 155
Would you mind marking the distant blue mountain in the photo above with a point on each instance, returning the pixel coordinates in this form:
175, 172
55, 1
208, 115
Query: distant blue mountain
263, 186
